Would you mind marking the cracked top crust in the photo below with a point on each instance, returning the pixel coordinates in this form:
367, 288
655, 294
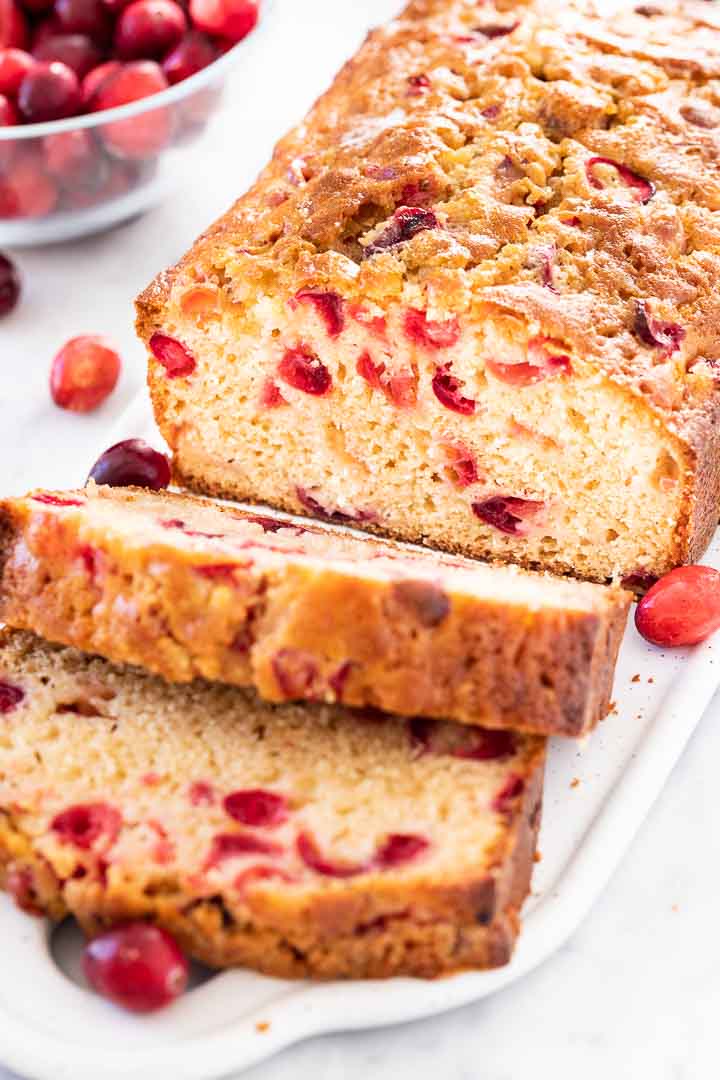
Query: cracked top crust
569, 159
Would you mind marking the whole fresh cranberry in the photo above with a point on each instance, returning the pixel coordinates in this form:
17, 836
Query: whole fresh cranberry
8, 113
84, 373
94, 79
682, 608
14, 66
132, 463
9, 285
193, 53
149, 28
13, 26
26, 191
230, 19
83, 17
141, 136
77, 51
49, 91
138, 966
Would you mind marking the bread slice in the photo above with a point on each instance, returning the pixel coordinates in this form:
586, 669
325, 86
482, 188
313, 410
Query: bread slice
472, 301
187, 588
294, 840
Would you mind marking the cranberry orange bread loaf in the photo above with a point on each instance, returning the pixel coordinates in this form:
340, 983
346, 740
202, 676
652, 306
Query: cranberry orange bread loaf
297, 840
473, 299
188, 588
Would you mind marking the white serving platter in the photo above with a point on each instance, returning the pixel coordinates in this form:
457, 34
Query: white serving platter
597, 795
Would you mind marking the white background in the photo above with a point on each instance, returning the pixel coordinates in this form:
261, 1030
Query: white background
637, 991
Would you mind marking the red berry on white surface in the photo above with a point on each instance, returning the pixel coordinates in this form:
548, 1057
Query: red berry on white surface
138, 966
84, 373
682, 608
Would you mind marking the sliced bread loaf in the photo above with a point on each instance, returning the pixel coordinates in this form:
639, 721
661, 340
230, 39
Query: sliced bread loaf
186, 588
298, 840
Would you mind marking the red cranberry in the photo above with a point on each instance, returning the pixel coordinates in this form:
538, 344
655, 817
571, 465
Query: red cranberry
302, 370
406, 223
137, 966
234, 845
20, 885
488, 746
230, 19
295, 672
94, 80
657, 333
49, 91
511, 790
84, 372
544, 361
642, 190
13, 26
14, 66
447, 390
200, 793
338, 680
270, 396
10, 697
461, 470
149, 28
193, 52
56, 500
9, 115
142, 136
639, 581
329, 307
9, 285
76, 51
496, 30
132, 463
83, 17
26, 191
217, 571
311, 855
429, 334
175, 357
507, 513
418, 84
682, 608
400, 848
370, 371
83, 825
72, 157
256, 807
260, 873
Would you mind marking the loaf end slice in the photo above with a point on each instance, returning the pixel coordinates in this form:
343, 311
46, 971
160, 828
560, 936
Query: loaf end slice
187, 588
294, 840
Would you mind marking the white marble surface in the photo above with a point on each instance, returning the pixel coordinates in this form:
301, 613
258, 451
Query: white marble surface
636, 993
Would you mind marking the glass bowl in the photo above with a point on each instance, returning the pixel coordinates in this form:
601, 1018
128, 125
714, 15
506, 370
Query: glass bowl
134, 158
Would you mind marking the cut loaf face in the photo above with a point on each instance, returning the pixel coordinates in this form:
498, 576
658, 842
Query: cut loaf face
473, 299
188, 588
293, 840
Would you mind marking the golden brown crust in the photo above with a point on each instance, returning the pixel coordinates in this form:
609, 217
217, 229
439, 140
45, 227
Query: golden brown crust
499, 141
412, 647
424, 922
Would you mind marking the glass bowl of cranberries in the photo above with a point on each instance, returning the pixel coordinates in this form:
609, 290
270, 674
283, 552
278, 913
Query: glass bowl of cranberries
98, 98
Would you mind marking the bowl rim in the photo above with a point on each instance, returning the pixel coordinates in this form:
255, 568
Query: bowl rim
218, 69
